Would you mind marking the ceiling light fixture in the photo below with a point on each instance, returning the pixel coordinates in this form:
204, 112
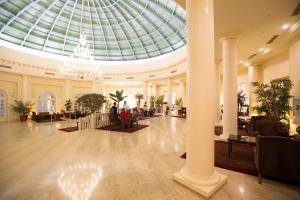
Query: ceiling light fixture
261, 49
81, 63
285, 26
266, 50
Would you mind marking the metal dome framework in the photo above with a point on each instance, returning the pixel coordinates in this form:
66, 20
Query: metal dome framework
116, 30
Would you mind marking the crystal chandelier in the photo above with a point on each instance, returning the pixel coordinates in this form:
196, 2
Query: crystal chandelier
81, 63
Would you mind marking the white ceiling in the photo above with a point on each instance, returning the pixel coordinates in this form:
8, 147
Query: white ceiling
256, 21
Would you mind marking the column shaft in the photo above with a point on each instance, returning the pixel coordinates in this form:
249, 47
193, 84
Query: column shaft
199, 173
230, 86
68, 90
25, 88
253, 76
170, 94
294, 60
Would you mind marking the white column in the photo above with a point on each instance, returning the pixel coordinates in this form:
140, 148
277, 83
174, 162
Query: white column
230, 64
218, 90
170, 95
25, 88
146, 92
253, 76
93, 86
184, 93
68, 90
294, 60
199, 173
154, 90
104, 94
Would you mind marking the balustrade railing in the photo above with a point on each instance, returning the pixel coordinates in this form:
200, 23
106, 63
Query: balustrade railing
93, 121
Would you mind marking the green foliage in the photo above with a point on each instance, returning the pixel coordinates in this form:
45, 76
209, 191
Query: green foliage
179, 102
160, 101
117, 97
152, 102
68, 105
139, 97
241, 98
273, 98
21, 107
91, 102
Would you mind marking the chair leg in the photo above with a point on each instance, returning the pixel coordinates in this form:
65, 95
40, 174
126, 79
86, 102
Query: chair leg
259, 178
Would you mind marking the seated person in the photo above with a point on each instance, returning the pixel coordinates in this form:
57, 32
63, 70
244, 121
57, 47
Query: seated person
125, 106
113, 114
114, 109
126, 118
145, 109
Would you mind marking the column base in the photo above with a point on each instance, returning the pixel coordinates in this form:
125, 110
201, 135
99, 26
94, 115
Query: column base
222, 137
206, 187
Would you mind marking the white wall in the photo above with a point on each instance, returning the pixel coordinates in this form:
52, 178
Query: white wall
276, 68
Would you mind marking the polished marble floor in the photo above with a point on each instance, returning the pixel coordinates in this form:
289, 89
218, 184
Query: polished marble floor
39, 162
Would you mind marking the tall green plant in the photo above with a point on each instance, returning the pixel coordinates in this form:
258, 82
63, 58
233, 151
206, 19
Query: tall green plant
22, 108
179, 102
68, 105
92, 101
159, 102
241, 98
139, 97
117, 97
273, 98
152, 102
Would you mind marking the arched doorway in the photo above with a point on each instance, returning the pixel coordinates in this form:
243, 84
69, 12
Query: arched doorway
46, 102
3, 106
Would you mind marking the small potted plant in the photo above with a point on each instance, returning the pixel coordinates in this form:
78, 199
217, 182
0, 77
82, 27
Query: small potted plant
179, 105
68, 106
23, 109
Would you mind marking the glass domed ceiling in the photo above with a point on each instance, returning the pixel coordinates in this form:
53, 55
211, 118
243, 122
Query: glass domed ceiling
116, 30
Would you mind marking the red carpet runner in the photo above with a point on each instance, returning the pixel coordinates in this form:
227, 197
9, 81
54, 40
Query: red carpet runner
119, 128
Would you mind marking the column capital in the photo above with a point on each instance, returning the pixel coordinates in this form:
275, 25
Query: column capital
230, 36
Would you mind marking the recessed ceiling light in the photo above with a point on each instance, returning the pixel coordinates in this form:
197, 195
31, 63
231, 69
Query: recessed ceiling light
285, 26
267, 50
261, 49
241, 62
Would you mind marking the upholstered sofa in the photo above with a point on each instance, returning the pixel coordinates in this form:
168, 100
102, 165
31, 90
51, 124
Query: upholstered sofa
278, 156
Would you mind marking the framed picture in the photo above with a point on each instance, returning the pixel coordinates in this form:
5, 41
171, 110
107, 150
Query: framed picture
296, 106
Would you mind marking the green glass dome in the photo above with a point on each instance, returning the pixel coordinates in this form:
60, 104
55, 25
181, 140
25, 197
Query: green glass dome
116, 30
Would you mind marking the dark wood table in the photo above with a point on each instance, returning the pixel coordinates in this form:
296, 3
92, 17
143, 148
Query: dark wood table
247, 140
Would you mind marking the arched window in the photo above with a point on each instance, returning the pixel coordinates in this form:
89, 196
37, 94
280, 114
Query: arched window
46, 102
3, 105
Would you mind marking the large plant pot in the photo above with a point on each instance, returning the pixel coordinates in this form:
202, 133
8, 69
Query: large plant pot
23, 118
179, 112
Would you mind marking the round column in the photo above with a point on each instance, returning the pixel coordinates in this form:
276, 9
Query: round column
253, 76
218, 90
230, 64
68, 90
24, 88
294, 61
199, 173
170, 95
146, 92
93, 86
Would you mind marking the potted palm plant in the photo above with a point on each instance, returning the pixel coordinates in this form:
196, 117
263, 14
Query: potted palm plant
179, 104
139, 97
23, 109
117, 97
68, 106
